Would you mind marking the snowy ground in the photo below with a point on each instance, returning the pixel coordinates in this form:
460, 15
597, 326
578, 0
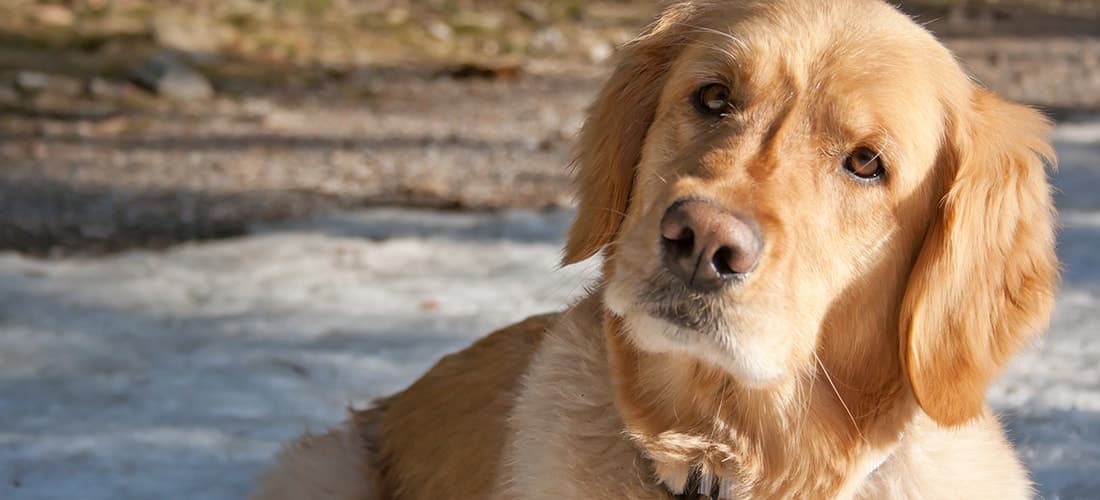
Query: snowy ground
176, 374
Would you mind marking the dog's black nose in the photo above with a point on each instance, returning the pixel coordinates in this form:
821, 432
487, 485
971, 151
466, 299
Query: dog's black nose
706, 246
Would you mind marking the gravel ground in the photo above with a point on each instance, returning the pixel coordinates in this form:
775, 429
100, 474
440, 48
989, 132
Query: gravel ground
176, 374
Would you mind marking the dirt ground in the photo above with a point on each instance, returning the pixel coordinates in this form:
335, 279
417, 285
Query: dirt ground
327, 105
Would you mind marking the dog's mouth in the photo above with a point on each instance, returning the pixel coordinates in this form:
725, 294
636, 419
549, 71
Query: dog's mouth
664, 316
665, 298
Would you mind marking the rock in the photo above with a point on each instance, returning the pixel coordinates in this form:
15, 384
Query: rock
440, 30
166, 75
33, 83
101, 88
549, 41
600, 51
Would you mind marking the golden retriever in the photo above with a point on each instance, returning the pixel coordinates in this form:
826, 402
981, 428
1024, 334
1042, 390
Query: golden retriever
821, 243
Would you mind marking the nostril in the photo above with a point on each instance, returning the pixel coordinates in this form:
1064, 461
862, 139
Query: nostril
681, 244
721, 261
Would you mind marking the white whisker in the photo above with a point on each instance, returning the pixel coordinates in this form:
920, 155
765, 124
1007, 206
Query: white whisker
838, 397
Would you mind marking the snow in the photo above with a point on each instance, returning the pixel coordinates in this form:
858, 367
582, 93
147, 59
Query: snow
176, 374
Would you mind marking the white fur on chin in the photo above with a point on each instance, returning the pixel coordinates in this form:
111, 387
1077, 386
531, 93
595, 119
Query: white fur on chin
752, 367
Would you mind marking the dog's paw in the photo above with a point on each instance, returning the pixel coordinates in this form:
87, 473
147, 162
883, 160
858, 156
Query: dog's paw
689, 482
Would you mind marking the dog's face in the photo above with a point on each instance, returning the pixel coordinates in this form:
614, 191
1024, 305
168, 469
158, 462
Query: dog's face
777, 178
790, 173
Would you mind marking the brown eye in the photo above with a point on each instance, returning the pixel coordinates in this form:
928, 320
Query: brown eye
864, 163
713, 99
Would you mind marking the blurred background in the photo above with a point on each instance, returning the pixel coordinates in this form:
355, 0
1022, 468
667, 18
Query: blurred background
145, 122
221, 221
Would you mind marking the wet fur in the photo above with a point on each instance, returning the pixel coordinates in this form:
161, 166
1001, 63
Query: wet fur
851, 364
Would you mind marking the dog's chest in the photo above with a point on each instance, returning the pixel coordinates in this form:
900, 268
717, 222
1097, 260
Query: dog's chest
566, 439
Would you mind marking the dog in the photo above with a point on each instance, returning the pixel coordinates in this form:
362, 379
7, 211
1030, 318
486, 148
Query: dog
821, 242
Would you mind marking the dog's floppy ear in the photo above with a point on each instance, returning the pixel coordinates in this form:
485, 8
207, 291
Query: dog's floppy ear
610, 142
983, 283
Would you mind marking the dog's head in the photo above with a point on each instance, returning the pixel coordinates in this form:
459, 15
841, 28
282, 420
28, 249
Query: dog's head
775, 181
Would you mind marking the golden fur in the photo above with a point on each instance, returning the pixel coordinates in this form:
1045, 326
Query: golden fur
852, 363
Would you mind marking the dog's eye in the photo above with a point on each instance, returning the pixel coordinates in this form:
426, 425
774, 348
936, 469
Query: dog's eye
864, 163
713, 99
